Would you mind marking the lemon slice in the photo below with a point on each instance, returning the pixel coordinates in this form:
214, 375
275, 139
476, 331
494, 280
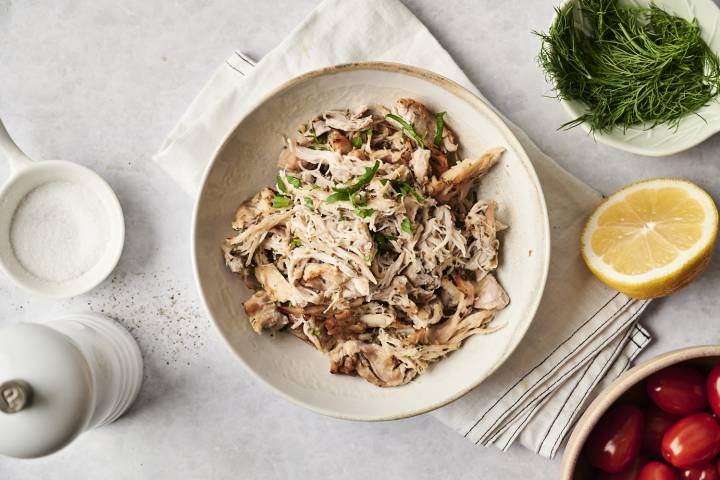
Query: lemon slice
651, 238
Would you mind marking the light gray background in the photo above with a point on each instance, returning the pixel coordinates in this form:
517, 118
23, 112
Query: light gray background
102, 82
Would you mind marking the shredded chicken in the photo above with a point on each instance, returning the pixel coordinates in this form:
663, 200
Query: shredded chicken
373, 246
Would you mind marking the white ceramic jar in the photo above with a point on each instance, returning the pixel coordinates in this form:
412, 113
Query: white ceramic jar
62, 377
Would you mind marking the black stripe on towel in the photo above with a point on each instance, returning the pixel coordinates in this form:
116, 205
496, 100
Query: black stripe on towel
543, 361
550, 371
571, 372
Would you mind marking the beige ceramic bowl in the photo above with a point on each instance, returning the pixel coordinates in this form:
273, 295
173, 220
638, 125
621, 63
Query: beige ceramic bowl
627, 387
247, 161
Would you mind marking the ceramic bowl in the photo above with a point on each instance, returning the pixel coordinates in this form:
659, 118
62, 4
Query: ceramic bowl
247, 161
25, 176
628, 386
693, 129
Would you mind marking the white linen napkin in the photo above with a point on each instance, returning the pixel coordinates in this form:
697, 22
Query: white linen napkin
584, 334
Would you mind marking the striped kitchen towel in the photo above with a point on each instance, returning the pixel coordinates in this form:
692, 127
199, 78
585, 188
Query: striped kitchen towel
584, 334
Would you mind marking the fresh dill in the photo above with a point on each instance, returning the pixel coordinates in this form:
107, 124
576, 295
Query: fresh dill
628, 65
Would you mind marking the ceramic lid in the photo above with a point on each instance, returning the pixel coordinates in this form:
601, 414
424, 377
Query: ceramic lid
45, 390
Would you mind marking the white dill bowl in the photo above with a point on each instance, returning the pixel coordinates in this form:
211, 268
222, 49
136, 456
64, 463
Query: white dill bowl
247, 161
663, 140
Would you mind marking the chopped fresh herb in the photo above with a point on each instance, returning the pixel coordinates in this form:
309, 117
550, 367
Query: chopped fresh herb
281, 201
319, 141
296, 242
315, 186
629, 65
383, 241
294, 181
439, 127
309, 203
406, 225
408, 128
357, 141
364, 212
316, 332
368, 134
357, 199
362, 181
404, 188
337, 197
280, 184
368, 259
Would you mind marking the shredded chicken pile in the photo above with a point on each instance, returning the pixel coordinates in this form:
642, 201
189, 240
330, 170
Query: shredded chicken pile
372, 246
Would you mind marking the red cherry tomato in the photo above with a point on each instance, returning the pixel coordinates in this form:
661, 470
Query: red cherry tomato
656, 424
708, 472
692, 441
713, 389
678, 390
615, 441
657, 471
630, 473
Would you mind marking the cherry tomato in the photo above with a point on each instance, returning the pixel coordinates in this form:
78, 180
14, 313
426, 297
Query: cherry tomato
630, 473
678, 390
708, 472
656, 424
713, 389
657, 471
615, 441
692, 441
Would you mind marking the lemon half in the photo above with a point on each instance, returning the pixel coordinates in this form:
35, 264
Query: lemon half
651, 238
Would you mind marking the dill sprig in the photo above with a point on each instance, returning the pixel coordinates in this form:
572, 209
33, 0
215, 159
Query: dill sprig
629, 66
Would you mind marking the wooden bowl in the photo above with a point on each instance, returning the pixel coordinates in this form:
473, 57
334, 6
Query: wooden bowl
629, 386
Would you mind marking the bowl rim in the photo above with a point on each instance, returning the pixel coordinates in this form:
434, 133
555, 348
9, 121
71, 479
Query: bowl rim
615, 390
464, 95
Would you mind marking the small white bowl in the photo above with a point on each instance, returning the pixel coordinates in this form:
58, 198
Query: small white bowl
25, 176
664, 140
247, 161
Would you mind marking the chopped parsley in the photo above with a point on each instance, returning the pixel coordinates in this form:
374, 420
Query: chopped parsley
364, 212
358, 200
309, 203
407, 128
439, 127
294, 181
344, 193
368, 134
383, 241
296, 242
319, 142
404, 188
281, 201
406, 225
357, 141
280, 184
337, 197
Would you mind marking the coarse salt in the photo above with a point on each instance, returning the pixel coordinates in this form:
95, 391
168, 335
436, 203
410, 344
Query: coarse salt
59, 231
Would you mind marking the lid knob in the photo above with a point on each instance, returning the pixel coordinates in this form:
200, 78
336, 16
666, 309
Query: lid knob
15, 395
